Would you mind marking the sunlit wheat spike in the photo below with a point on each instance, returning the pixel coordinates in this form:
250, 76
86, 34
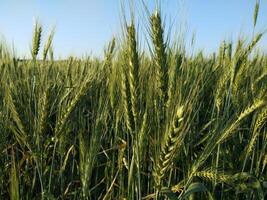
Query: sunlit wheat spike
160, 57
225, 134
61, 122
36, 40
213, 175
261, 120
253, 107
109, 70
253, 43
19, 131
126, 97
170, 145
109, 52
256, 12
48, 44
220, 88
133, 62
143, 132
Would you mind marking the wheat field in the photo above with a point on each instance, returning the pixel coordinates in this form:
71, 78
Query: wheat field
161, 124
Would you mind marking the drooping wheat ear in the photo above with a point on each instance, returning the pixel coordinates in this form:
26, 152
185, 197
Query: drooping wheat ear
255, 106
67, 111
252, 44
239, 64
221, 136
242, 54
19, 129
256, 12
236, 61
160, 57
36, 40
133, 62
212, 175
126, 97
260, 81
261, 120
48, 44
173, 140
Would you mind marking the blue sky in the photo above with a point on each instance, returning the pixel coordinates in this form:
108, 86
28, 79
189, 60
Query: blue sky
85, 26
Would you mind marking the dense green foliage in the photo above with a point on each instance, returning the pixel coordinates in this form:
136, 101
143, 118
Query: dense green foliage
135, 126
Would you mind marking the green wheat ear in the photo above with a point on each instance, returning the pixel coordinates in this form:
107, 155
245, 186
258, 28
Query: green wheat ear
160, 59
172, 142
48, 44
36, 40
256, 12
133, 64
